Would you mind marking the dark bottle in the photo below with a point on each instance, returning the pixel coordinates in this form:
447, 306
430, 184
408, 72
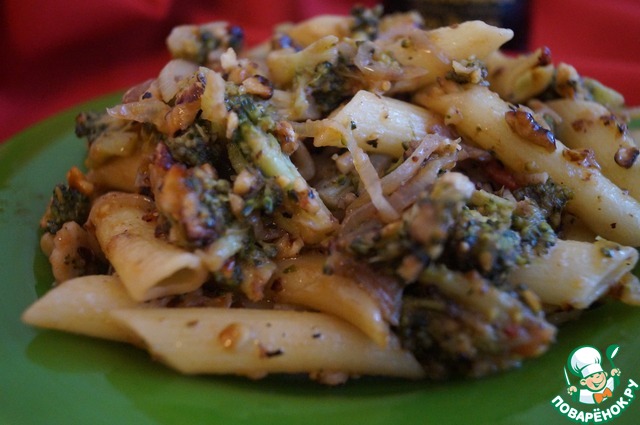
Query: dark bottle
512, 14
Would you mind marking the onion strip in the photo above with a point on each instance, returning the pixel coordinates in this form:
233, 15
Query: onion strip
368, 175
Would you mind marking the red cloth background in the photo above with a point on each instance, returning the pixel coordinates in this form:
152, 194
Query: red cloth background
54, 54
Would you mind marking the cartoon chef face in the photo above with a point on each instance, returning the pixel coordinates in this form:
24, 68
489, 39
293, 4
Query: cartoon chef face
595, 382
585, 362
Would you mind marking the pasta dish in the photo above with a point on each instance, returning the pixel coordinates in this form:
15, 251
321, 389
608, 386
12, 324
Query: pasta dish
358, 195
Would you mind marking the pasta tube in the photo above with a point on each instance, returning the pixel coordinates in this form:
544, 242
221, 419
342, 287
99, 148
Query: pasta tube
518, 79
575, 274
433, 51
256, 342
301, 281
589, 125
148, 266
480, 115
317, 27
82, 306
379, 124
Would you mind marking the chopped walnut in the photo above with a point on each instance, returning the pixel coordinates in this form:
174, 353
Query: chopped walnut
584, 157
626, 156
259, 86
524, 125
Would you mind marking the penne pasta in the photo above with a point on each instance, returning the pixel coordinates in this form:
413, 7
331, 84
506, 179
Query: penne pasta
148, 266
589, 125
118, 173
575, 274
379, 124
82, 306
315, 28
480, 115
285, 64
518, 79
301, 281
434, 51
257, 342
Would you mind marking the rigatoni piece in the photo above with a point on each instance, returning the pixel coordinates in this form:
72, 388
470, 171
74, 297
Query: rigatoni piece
481, 116
82, 306
148, 266
257, 342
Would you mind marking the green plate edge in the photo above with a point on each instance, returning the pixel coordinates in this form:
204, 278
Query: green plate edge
48, 377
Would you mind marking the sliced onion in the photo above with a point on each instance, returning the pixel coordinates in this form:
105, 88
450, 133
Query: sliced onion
385, 290
369, 177
408, 193
412, 164
370, 67
409, 168
359, 217
145, 111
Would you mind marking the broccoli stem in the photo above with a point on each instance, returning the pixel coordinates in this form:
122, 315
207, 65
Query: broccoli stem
304, 215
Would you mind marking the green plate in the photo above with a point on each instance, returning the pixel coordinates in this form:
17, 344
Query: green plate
48, 377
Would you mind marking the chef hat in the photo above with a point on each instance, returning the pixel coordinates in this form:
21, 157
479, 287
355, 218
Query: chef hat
585, 361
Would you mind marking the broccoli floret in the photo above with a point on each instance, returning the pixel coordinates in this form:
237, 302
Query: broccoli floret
330, 85
254, 144
366, 22
468, 71
535, 232
198, 145
209, 212
209, 42
492, 235
484, 243
67, 204
192, 147
253, 256
566, 82
451, 250
92, 125
549, 197
198, 43
457, 324
264, 198
107, 136
200, 210
484, 233
404, 247
250, 109
199, 207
